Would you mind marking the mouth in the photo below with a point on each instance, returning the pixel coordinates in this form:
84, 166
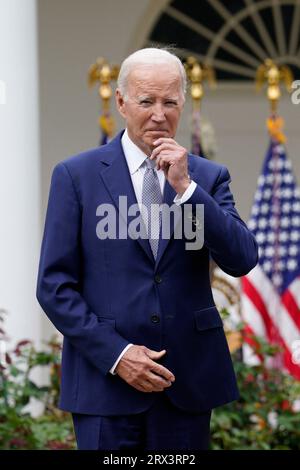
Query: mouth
156, 131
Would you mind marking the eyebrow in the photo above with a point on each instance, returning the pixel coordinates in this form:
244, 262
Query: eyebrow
148, 97
141, 98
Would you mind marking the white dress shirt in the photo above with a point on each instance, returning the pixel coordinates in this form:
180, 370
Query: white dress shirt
135, 158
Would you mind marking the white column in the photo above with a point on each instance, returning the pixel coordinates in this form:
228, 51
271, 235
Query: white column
19, 168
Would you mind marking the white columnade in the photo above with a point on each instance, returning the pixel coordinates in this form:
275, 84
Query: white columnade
19, 169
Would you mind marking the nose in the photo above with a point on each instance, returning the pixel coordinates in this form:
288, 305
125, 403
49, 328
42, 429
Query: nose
158, 114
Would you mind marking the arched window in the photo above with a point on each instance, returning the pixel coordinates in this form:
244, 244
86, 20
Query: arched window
234, 36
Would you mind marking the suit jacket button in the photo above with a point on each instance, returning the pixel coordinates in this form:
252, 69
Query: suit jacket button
158, 279
155, 318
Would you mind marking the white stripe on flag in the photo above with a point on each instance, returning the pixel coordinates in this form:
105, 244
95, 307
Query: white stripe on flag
294, 288
252, 316
276, 310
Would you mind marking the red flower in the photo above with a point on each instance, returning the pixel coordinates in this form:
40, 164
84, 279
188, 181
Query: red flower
250, 378
266, 375
17, 443
285, 405
57, 445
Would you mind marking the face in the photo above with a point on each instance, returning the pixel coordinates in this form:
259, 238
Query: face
153, 104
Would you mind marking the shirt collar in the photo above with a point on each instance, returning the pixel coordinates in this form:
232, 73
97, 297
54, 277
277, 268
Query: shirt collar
135, 157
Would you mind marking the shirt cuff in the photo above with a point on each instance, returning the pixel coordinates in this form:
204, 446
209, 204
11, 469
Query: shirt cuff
112, 370
186, 195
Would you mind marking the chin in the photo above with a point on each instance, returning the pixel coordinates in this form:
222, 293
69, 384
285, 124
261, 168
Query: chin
149, 142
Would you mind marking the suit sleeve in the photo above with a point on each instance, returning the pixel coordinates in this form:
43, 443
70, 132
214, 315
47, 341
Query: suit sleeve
231, 244
58, 285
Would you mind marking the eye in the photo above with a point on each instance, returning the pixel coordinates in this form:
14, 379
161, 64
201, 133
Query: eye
171, 103
146, 102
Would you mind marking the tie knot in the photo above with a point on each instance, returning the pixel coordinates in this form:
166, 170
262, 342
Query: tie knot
150, 164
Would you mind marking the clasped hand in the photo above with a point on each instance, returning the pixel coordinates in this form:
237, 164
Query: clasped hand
139, 369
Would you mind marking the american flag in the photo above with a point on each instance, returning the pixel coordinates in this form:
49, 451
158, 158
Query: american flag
271, 291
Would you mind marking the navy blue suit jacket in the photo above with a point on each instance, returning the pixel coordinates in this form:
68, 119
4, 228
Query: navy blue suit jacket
103, 294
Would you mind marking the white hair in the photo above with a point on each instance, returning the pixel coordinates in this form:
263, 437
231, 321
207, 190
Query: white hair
149, 56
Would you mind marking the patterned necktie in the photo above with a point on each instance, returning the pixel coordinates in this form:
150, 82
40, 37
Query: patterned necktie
152, 195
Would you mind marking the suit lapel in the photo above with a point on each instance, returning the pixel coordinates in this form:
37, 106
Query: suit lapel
117, 180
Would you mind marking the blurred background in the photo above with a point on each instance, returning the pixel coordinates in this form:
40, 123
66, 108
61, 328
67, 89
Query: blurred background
48, 57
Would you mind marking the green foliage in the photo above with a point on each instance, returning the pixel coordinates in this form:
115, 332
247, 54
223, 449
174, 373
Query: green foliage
18, 429
264, 417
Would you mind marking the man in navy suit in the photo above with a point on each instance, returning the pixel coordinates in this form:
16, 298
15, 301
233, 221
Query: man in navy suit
145, 358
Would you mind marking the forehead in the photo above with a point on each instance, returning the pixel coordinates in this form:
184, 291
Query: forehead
157, 78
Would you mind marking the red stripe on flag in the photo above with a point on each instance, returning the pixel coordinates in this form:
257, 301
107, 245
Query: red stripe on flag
272, 331
290, 304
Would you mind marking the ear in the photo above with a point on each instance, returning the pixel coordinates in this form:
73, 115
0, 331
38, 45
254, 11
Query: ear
120, 102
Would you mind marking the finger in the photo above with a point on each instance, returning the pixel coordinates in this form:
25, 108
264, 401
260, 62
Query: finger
160, 148
165, 140
162, 165
154, 388
165, 146
148, 386
158, 162
167, 156
155, 354
139, 388
158, 380
164, 161
157, 368
162, 371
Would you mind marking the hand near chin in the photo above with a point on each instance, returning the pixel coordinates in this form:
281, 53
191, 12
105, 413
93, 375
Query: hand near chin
172, 158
